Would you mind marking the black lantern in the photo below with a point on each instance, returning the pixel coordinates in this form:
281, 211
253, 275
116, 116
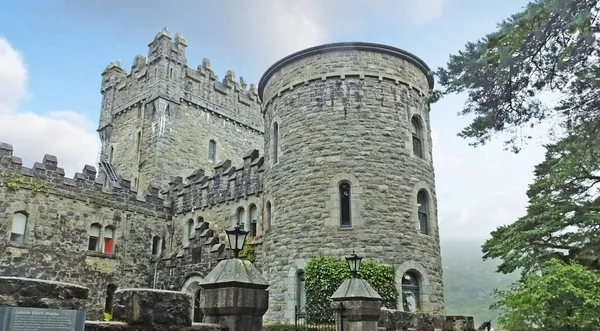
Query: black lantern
236, 237
354, 264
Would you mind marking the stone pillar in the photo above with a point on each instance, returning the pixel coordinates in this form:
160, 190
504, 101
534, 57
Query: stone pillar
360, 303
234, 294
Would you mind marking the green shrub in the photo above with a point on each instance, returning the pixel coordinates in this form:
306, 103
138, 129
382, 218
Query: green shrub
323, 275
247, 252
279, 327
107, 317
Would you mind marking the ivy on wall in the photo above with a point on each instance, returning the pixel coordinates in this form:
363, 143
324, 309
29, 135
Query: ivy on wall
247, 252
323, 275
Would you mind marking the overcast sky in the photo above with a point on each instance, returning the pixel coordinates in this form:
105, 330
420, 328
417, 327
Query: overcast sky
53, 52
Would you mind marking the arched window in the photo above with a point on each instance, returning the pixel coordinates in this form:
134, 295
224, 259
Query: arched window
411, 292
268, 215
200, 220
423, 211
275, 142
94, 237
198, 316
300, 293
345, 211
110, 294
417, 136
156, 245
19, 227
253, 221
190, 230
212, 151
109, 243
240, 219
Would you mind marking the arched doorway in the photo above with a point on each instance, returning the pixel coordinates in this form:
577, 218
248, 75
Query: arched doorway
192, 288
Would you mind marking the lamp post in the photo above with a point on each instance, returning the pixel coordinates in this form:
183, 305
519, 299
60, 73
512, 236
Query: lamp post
354, 264
236, 238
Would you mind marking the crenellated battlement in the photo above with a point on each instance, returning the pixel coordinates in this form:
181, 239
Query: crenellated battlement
47, 177
165, 73
226, 183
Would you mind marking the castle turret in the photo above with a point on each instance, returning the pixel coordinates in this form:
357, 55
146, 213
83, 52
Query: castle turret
348, 167
166, 119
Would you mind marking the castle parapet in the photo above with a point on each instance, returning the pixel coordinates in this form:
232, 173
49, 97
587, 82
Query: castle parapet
48, 178
226, 183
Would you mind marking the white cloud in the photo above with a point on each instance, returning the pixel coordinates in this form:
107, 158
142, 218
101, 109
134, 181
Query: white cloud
65, 134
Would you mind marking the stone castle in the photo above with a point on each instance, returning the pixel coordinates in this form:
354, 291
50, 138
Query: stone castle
330, 153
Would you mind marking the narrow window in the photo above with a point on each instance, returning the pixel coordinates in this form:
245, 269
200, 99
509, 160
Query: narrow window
300, 293
94, 237
275, 142
253, 221
417, 132
411, 296
156, 245
212, 151
345, 213
110, 294
423, 211
239, 218
198, 317
268, 216
109, 243
191, 231
19, 226
110, 156
139, 142
171, 73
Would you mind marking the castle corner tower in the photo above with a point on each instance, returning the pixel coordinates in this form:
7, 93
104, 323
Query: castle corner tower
348, 166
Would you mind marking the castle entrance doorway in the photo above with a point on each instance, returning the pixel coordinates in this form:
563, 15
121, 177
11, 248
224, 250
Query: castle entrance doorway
192, 287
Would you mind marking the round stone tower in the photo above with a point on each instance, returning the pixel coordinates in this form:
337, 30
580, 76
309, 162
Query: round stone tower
349, 167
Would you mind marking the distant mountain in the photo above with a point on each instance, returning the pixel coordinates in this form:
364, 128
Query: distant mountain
469, 282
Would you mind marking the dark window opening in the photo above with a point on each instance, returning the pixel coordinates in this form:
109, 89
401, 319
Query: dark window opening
198, 316
423, 211
275, 142
417, 137
411, 296
94, 237
156, 245
212, 151
345, 212
110, 293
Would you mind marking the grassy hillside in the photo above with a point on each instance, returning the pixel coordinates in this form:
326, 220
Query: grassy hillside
468, 281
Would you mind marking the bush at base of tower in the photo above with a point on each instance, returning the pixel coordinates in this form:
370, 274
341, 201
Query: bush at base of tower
323, 275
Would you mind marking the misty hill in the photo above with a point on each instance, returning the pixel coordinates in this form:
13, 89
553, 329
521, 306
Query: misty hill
469, 282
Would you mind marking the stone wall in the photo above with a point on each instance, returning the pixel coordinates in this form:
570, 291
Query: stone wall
343, 114
394, 320
60, 212
157, 120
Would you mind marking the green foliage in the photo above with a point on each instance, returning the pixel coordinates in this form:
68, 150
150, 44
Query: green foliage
563, 212
279, 327
549, 46
247, 252
566, 297
99, 199
107, 317
14, 181
324, 275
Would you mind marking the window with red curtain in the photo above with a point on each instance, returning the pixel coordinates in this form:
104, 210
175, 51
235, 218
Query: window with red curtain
108, 241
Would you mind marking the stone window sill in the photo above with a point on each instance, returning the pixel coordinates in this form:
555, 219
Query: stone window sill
346, 228
18, 245
99, 254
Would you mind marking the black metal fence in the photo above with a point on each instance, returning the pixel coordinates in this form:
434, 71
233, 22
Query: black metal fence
321, 317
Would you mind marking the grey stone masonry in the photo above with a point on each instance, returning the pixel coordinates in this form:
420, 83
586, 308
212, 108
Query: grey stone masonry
343, 114
360, 305
159, 119
36, 293
59, 214
234, 295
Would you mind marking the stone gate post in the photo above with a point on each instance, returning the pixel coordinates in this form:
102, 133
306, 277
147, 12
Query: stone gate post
361, 306
234, 294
